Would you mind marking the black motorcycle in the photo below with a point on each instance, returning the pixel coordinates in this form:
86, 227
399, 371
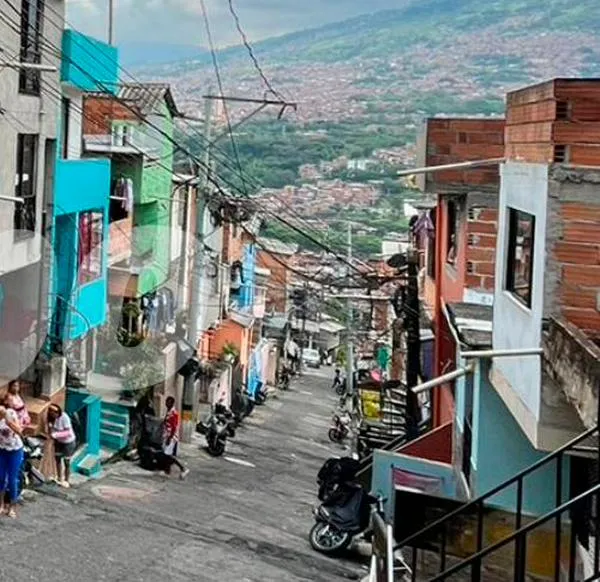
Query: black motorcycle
284, 379
33, 451
216, 429
345, 514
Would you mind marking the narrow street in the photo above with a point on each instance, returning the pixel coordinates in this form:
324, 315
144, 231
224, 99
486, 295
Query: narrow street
243, 517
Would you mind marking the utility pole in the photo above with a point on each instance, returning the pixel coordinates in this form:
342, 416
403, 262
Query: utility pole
349, 339
190, 394
303, 332
111, 21
413, 346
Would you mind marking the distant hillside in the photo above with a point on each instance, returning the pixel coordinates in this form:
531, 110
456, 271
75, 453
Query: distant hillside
431, 56
137, 54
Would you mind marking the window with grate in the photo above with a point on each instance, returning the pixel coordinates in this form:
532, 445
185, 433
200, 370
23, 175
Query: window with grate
519, 266
452, 232
32, 15
91, 235
25, 177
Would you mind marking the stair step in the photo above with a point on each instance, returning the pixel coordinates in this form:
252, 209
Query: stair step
89, 466
113, 440
115, 427
114, 416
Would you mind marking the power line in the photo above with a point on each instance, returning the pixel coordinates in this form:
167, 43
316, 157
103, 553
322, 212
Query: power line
250, 50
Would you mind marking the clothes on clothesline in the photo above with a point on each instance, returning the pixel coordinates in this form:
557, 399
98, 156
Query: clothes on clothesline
123, 189
159, 309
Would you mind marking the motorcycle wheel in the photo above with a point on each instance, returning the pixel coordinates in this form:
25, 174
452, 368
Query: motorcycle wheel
324, 539
216, 448
334, 435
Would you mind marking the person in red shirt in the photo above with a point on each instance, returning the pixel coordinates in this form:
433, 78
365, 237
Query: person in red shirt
171, 439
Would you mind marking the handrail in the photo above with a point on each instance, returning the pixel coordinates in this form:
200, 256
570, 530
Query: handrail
514, 479
389, 446
523, 531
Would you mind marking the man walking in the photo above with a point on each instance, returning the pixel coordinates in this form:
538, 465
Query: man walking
171, 439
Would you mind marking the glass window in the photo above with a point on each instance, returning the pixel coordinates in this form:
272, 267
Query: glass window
452, 232
91, 234
519, 266
25, 176
32, 14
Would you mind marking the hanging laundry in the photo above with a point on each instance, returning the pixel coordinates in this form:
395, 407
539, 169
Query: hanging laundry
128, 194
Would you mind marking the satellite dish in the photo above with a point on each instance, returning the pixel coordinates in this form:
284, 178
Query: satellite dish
397, 261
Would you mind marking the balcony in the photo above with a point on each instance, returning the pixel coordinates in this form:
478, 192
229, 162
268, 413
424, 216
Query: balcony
82, 185
119, 142
88, 64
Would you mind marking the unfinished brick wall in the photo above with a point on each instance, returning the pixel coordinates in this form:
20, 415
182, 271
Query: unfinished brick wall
482, 228
557, 121
100, 112
449, 141
577, 256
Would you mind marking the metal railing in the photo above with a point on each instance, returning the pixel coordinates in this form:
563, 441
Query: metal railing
439, 529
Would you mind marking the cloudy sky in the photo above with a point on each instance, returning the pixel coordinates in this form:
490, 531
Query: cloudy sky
180, 21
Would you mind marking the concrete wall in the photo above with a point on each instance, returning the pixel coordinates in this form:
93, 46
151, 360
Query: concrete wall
524, 187
385, 462
27, 114
88, 64
500, 450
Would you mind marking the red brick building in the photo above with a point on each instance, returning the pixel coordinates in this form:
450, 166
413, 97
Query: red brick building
458, 254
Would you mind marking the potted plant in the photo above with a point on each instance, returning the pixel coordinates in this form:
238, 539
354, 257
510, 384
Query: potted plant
230, 352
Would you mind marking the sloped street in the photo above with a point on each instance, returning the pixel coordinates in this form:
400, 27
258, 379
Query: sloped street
243, 517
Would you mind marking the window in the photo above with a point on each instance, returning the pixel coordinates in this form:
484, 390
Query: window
32, 14
122, 135
66, 112
519, 267
91, 234
25, 177
431, 247
451, 232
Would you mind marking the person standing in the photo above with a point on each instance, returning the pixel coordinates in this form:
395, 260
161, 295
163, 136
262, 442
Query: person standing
171, 439
61, 432
11, 459
15, 401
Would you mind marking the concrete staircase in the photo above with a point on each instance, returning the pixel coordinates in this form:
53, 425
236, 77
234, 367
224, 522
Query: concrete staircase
114, 426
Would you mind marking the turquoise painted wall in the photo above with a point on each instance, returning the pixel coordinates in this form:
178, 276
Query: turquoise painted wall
382, 477
89, 64
80, 186
501, 450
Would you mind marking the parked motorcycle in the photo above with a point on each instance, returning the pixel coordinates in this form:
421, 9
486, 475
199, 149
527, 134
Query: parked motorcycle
216, 429
341, 427
284, 379
344, 515
33, 450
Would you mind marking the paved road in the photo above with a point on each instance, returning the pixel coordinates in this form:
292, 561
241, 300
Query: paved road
241, 518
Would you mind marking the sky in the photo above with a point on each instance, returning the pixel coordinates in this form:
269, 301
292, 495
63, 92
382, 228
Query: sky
180, 21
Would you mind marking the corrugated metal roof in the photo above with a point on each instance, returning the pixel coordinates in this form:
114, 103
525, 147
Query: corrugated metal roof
148, 95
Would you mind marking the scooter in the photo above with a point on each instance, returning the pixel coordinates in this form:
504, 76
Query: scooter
284, 379
216, 429
341, 427
342, 517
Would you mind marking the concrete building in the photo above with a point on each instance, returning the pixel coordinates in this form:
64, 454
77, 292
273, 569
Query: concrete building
275, 256
29, 125
524, 426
